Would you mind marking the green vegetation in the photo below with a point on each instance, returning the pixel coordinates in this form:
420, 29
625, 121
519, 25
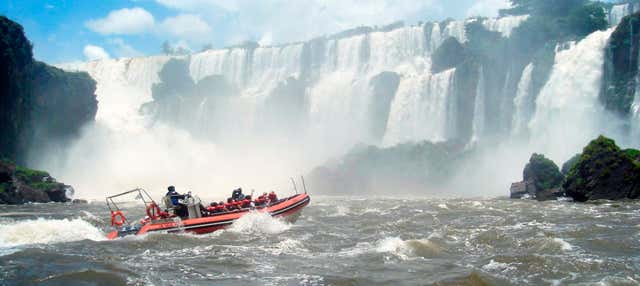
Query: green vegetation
30, 175
633, 154
567, 166
37, 101
604, 172
543, 172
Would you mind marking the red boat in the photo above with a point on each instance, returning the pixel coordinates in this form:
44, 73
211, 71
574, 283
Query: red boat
197, 221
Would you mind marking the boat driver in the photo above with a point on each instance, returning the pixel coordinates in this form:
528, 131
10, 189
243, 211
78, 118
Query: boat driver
179, 209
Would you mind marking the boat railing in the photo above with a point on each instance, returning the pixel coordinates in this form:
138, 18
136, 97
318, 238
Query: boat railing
140, 194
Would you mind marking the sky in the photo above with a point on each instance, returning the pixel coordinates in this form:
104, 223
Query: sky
76, 30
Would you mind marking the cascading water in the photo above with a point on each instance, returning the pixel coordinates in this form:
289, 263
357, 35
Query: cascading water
479, 110
568, 113
331, 78
620, 11
523, 102
419, 111
504, 25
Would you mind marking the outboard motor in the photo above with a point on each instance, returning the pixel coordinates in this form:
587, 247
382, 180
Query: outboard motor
193, 207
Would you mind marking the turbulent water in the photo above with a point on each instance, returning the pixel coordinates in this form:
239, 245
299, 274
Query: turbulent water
337, 241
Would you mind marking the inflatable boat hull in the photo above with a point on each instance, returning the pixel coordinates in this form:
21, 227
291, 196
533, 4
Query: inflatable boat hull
288, 208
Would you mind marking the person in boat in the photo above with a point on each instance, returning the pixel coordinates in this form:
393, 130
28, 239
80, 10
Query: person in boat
262, 199
175, 197
272, 197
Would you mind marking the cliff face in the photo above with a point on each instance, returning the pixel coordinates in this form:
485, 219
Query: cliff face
621, 66
38, 102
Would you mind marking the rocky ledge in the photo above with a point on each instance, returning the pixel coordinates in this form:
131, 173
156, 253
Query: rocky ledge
19, 185
602, 171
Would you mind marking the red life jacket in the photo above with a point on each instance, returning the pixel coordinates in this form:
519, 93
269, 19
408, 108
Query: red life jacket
273, 197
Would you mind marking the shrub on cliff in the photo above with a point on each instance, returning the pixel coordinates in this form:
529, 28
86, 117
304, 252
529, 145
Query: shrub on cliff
604, 172
567, 166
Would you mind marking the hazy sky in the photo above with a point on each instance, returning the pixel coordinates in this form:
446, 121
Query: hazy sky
72, 30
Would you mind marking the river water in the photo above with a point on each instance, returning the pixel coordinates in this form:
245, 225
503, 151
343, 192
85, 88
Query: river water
336, 241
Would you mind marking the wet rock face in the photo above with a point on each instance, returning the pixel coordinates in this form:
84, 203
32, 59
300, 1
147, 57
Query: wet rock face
40, 103
604, 172
19, 185
541, 180
621, 66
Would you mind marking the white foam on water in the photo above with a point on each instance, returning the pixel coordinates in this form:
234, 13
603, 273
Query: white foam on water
47, 231
565, 246
288, 246
406, 249
259, 222
497, 266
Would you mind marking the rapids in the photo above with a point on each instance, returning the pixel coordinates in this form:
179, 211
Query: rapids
396, 241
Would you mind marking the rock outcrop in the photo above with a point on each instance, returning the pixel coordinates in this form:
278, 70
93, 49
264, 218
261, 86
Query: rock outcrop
420, 167
621, 66
38, 101
604, 171
541, 180
19, 185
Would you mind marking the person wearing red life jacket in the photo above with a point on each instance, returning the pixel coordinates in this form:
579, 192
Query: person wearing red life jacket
272, 197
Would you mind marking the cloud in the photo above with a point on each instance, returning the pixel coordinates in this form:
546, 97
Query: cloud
122, 49
92, 52
196, 5
278, 21
487, 8
123, 22
186, 26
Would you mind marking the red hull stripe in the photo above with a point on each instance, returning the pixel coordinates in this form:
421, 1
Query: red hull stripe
196, 227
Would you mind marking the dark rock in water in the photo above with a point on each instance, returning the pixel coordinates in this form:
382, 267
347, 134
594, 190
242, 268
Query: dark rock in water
20, 185
550, 194
543, 172
79, 201
407, 168
541, 180
566, 167
522, 189
604, 172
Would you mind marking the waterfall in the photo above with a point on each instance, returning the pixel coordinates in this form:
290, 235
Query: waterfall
456, 29
328, 78
618, 12
635, 109
504, 25
419, 111
568, 113
479, 110
523, 102
229, 63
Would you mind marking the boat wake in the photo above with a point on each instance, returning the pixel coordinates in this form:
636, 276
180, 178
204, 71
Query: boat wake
47, 231
259, 222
